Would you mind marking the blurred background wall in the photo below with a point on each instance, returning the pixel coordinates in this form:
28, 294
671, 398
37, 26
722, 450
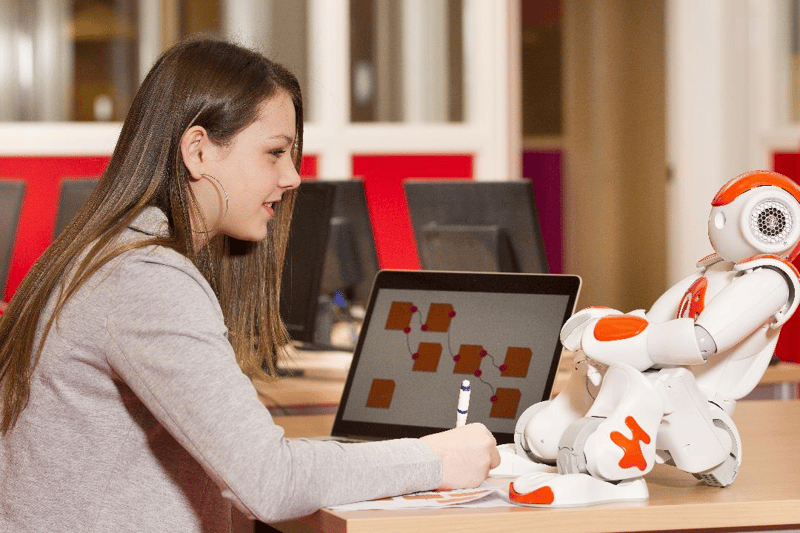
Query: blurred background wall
627, 116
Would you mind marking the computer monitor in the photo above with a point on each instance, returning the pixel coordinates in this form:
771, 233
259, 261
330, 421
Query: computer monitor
351, 262
305, 260
11, 194
464, 225
74, 194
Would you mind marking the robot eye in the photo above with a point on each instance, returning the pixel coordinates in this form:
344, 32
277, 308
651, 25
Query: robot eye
719, 220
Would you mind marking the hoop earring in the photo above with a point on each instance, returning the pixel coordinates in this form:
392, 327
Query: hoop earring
225, 194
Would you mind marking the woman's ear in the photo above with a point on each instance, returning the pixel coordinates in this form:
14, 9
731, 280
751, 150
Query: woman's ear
193, 143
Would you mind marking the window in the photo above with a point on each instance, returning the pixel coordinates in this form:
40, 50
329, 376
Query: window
83, 60
406, 61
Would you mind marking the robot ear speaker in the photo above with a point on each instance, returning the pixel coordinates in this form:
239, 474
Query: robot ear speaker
773, 224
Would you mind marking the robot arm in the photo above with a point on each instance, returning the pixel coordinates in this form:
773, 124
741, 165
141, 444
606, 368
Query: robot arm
632, 340
751, 301
756, 299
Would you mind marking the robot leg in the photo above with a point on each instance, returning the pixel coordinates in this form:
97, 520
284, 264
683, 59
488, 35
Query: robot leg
540, 427
696, 435
617, 438
603, 456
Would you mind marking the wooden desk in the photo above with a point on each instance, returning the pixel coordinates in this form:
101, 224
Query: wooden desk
781, 380
300, 396
766, 493
316, 390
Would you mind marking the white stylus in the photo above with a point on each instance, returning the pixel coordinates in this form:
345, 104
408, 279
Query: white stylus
463, 404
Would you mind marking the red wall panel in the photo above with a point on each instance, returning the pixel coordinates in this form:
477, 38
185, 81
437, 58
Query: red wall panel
388, 210
43, 176
788, 348
37, 220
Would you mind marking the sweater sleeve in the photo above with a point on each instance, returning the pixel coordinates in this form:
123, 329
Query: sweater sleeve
167, 341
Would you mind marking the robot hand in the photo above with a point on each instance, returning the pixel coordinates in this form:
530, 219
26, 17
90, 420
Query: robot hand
597, 331
574, 328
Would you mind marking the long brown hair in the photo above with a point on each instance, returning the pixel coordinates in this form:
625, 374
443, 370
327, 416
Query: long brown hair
219, 86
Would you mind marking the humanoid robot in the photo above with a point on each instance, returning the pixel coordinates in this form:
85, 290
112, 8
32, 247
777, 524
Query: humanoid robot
662, 386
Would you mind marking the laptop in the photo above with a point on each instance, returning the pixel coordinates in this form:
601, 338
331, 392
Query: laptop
425, 332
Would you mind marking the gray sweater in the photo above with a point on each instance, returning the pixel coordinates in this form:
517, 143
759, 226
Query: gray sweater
140, 419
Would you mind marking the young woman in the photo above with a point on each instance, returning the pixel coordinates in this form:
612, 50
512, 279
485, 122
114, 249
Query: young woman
126, 353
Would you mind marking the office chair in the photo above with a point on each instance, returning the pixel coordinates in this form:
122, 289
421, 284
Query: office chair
11, 194
74, 193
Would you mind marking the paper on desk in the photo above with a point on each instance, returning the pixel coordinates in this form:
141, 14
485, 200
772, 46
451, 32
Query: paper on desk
489, 494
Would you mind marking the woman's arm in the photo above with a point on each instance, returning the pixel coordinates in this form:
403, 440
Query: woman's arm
167, 341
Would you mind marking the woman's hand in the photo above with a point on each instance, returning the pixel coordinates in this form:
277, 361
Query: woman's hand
467, 454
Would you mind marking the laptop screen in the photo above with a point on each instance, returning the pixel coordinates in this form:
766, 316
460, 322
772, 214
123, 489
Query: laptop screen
425, 332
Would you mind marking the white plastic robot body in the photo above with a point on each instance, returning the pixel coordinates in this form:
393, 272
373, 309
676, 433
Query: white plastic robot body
736, 308
743, 320
670, 377
668, 305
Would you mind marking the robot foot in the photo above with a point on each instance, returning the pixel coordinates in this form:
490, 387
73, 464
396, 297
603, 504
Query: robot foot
721, 475
573, 490
513, 464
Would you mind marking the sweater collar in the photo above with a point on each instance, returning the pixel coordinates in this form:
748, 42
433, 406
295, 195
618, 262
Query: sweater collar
151, 221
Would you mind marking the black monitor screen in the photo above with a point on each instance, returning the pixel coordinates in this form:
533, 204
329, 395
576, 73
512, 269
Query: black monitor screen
11, 194
351, 262
305, 258
74, 194
483, 226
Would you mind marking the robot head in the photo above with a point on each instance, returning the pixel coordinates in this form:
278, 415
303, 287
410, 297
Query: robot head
756, 213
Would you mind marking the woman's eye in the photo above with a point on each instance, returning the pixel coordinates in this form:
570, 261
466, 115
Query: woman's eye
278, 153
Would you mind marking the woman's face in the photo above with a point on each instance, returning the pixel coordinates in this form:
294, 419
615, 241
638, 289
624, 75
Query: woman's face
255, 169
